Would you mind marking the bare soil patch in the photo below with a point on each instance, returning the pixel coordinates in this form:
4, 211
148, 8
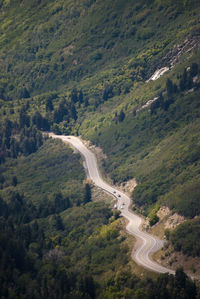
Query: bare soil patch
173, 260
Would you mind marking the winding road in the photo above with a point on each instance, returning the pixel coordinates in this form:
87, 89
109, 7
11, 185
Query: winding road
146, 243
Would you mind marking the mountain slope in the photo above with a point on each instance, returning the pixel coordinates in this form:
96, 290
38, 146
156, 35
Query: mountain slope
52, 45
83, 67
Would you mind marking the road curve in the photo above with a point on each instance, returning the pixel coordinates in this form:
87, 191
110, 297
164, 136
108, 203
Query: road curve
146, 244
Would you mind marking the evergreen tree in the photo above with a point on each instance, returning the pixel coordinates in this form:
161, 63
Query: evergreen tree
80, 97
107, 92
87, 193
49, 104
74, 95
175, 88
7, 129
73, 112
14, 181
24, 119
38, 139
169, 87
24, 93
183, 81
194, 69
86, 102
14, 148
189, 81
56, 116
58, 222
121, 116
37, 120
62, 112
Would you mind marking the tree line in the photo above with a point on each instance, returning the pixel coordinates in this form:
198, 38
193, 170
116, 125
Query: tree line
35, 264
18, 138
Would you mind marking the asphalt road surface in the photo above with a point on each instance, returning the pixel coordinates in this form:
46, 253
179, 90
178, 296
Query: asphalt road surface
146, 243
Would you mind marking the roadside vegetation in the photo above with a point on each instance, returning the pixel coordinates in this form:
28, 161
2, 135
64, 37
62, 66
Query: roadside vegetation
185, 237
81, 67
153, 147
51, 234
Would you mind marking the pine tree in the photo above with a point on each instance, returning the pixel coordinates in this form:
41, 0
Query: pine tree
37, 120
169, 87
49, 104
14, 181
80, 97
58, 222
194, 69
86, 102
24, 93
183, 81
121, 116
74, 95
87, 194
73, 112
24, 119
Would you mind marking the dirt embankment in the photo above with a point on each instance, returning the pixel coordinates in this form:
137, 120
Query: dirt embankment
167, 256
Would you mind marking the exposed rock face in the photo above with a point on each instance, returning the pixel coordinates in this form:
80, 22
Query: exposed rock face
131, 184
147, 104
158, 74
163, 212
166, 219
176, 52
171, 221
172, 57
174, 220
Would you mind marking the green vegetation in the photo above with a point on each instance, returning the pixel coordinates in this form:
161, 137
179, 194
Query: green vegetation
42, 176
61, 247
53, 245
153, 217
62, 43
124, 285
51, 237
81, 67
159, 147
18, 138
185, 238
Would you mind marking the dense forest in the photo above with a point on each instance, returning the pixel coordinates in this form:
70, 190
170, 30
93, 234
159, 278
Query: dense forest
59, 255
85, 68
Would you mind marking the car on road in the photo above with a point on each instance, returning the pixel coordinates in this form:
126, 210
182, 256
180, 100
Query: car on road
119, 195
121, 207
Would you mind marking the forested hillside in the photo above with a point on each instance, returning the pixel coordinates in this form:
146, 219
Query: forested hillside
53, 45
85, 68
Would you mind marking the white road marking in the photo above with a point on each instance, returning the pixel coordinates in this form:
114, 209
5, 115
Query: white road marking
149, 243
